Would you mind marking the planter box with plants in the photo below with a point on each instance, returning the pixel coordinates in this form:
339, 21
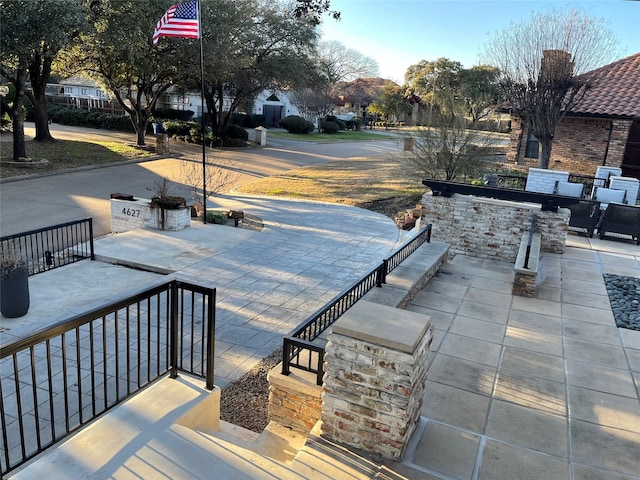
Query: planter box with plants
168, 213
163, 212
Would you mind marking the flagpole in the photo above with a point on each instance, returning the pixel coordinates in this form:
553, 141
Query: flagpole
204, 155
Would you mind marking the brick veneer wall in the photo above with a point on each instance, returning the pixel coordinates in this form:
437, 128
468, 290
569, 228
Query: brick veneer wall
375, 380
490, 228
579, 146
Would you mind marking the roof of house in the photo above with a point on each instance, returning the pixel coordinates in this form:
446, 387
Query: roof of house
616, 91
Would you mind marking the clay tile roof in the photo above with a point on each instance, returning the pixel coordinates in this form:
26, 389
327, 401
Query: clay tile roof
616, 92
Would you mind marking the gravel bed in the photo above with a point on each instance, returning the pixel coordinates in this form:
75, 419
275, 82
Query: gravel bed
624, 296
245, 402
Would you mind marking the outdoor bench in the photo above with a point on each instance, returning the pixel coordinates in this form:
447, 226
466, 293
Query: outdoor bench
525, 270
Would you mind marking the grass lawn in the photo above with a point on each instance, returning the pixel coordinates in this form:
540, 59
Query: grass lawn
64, 154
380, 184
341, 136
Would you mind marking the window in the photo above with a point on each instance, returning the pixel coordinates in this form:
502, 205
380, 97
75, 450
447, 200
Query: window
68, 90
533, 147
83, 91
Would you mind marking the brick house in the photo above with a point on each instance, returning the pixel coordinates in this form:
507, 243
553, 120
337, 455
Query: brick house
602, 129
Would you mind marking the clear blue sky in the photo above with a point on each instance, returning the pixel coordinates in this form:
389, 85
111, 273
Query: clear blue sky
400, 33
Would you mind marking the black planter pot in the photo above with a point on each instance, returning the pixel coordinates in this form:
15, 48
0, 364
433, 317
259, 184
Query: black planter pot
14, 292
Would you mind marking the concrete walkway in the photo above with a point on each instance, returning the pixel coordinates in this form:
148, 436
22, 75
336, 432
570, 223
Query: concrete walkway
267, 282
519, 388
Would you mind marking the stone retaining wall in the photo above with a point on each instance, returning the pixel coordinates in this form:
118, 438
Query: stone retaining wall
490, 228
294, 399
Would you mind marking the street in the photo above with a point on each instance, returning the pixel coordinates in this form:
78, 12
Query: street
42, 201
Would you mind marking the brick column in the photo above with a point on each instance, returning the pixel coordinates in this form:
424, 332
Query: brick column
375, 373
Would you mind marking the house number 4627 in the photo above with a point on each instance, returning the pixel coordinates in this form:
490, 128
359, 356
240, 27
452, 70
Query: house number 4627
131, 212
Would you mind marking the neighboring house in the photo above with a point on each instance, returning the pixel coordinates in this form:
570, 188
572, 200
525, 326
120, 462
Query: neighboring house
81, 93
274, 105
85, 94
602, 129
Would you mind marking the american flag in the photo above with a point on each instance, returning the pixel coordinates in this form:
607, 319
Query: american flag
181, 21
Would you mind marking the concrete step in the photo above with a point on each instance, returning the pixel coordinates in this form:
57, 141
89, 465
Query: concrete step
279, 443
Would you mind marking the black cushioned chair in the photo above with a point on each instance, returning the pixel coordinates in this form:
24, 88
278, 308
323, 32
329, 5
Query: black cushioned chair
585, 214
624, 219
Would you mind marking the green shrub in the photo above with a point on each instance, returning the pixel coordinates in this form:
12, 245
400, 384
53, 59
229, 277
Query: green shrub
238, 119
341, 124
83, 118
310, 127
172, 114
295, 124
253, 121
179, 128
236, 132
217, 218
330, 127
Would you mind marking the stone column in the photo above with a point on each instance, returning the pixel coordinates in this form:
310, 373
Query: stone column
376, 364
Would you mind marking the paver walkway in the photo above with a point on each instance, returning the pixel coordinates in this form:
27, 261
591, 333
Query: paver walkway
529, 388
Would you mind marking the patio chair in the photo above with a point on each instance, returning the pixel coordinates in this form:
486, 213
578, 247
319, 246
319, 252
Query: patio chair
608, 195
569, 189
623, 219
585, 215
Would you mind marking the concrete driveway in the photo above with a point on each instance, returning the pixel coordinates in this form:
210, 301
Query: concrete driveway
41, 201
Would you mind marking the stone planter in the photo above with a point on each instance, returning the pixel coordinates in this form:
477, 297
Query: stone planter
169, 213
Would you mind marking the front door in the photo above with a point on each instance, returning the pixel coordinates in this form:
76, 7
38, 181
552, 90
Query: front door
272, 115
631, 159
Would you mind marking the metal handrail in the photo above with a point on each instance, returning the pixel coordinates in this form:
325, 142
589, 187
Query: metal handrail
59, 378
51, 247
299, 342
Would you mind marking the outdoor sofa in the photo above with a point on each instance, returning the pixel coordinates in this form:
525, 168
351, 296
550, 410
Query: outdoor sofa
622, 219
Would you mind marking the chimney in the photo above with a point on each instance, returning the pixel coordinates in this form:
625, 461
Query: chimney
555, 65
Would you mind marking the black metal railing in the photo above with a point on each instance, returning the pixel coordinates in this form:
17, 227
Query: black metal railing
50, 247
59, 378
299, 351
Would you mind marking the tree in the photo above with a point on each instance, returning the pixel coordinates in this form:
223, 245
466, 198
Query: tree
448, 146
435, 82
59, 22
217, 176
118, 54
339, 63
391, 101
32, 33
13, 65
542, 62
479, 89
250, 46
314, 9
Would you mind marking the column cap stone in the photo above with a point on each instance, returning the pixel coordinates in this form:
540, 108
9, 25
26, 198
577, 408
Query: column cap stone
382, 325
